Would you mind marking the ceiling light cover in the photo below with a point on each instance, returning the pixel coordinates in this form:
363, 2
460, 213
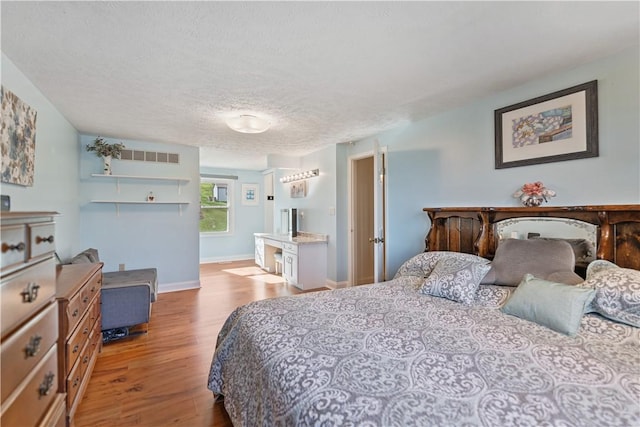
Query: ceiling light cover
248, 124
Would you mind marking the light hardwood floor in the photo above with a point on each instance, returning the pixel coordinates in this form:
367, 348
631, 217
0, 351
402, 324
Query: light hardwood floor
160, 378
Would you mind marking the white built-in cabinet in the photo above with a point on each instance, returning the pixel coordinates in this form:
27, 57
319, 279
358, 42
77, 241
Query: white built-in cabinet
304, 265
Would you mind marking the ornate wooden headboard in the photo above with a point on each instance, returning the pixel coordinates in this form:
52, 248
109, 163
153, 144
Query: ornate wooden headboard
473, 229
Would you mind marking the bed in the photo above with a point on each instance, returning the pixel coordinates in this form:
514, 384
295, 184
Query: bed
393, 354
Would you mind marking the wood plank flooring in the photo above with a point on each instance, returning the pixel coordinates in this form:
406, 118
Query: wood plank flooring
160, 378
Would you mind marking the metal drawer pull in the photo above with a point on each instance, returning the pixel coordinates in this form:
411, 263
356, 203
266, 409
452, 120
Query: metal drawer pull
86, 359
34, 346
31, 293
86, 331
75, 313
19, 247
75, 348
44, 239
47, 384
85, 299
76, 381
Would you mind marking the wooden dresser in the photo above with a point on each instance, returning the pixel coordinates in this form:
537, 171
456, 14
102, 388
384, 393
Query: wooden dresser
78, 294
29, 322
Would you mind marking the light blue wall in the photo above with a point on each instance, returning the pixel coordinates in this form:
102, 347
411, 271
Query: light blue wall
319, 207
448, 159
148, 235
246, 221
55, 185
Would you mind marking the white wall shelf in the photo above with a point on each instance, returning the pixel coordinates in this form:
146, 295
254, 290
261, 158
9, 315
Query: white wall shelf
178, 180
135, 202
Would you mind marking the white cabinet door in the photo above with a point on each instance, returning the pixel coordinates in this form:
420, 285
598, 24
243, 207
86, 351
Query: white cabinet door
260, 252
290, 267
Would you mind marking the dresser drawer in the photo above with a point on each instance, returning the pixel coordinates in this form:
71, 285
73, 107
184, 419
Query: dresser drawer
96, 339
74, 381
94, 312
24, 349
289, 247
76, 343
86, 356
92, 287
28, 405
14, 245
25, 292
41, 239
79, 303
57, 414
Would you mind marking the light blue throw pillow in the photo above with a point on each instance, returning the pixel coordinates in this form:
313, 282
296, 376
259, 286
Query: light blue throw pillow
555, 305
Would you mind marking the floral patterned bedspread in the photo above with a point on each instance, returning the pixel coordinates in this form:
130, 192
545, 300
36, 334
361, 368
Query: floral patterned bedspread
386, 355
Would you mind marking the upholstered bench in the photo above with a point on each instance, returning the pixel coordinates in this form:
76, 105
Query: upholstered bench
127, 296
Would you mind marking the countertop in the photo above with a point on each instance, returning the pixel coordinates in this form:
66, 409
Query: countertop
302, 238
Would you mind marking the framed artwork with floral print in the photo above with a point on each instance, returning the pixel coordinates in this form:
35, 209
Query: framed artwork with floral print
559, 126
17, 140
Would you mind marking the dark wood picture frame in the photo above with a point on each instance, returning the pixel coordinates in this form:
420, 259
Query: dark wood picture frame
559, 126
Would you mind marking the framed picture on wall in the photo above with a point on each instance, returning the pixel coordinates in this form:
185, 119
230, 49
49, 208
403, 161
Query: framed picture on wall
17, 140
250, 194
559, 126
298, 189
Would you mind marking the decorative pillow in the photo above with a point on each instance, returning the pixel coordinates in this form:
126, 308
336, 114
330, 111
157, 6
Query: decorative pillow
456, 279
81, 258
422, 264
514, 258
582, 248
617, 292
87, 256
557, 306
599, 265
566, 277
92, 254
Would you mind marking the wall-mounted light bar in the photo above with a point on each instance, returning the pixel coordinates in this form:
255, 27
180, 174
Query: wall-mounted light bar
299, 176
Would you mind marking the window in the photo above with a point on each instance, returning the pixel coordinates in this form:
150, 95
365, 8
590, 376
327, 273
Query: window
216, 201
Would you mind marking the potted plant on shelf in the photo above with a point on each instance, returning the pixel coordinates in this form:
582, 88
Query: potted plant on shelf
106, 151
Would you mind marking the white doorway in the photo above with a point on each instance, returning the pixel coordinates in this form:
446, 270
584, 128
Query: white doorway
367, 218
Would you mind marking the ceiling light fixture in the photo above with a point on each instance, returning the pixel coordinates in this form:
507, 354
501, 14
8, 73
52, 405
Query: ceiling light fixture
247, 123
301, 175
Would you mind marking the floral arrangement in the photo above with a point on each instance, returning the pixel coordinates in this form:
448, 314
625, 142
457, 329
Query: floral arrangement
534, 193
104, 149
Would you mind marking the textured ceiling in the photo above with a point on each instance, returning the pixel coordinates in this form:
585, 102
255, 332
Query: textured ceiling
321, 72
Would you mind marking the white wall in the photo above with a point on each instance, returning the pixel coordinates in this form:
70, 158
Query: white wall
55, 186
148, 235
448, 159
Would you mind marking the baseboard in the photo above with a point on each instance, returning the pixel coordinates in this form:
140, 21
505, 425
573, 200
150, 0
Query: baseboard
337, 285
178, 286
227, 258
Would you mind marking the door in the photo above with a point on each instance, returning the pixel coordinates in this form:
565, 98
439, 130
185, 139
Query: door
367, 218
379, 210
362, 220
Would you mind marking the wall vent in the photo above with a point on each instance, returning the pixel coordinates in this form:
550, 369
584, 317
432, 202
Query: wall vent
150, 156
